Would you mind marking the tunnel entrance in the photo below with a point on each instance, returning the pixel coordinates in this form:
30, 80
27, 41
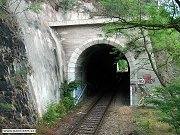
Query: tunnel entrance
96, 67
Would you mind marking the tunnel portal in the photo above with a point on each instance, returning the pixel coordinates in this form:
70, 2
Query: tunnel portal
98, 69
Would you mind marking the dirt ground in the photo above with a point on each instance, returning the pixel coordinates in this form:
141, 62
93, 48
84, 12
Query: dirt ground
118, 119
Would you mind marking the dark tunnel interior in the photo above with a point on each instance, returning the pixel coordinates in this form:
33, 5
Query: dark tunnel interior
101, 74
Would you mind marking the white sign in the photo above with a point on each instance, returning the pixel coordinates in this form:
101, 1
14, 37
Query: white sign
9, 131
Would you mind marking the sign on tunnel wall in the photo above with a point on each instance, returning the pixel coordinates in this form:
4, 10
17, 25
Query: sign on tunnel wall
146, 79
141, 86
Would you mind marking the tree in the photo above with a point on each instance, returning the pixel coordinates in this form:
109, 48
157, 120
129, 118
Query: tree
151, 19
168, 104
161, 23
145, 14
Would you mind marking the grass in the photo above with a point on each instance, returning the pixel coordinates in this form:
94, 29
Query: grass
50, 129
147, 121
55, 112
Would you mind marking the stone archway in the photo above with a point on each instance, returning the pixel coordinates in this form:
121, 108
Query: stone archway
73, 62
108, 41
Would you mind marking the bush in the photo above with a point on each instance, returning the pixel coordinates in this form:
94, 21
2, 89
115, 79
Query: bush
67, 88
167, 101
35, 7
57, 111
61, 109
68, 102
54, 112
67, 4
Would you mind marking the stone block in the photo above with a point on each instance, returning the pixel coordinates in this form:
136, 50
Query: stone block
105, 41
71, 65
73, 60
83, 48
113, 42
78, 51
95, 42
88, 44
101, 40
75, 55
71, 69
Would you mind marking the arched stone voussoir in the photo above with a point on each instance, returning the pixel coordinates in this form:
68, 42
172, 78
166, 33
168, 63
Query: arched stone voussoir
72, 65
82, 48
94, 41
71, 69
101, 40
78, 51
115, 42
73, 60
88, 43
75, 55
98, 40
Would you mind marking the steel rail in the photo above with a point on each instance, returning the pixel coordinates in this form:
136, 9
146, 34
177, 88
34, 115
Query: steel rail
89, 124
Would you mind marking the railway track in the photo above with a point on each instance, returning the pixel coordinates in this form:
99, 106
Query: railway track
91, 121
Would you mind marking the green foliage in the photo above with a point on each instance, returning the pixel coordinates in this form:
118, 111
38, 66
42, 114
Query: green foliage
35, 7
116, 7
67, 88
68, 102
61, 109
167, 100
67, 4
166, 47
147, 122
54, 112
6, 106
145, 127
156, 14
2, 2
167, 41
22, 71
122, 64
163, 25
144, 14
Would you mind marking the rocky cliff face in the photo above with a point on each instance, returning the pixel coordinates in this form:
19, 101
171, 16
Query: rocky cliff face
44, 53
16, 105
32, 61
44, 50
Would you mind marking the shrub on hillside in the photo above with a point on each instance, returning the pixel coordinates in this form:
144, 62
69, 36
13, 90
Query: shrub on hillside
167, 100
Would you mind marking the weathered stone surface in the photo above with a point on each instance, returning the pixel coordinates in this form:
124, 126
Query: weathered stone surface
13, 96
45, 54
